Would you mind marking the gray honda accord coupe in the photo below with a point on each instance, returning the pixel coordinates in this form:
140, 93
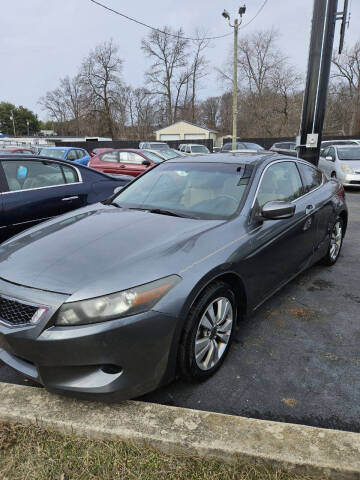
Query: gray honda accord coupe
115, 299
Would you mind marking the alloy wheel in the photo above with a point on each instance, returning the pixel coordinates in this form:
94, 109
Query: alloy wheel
335, 240
213, 333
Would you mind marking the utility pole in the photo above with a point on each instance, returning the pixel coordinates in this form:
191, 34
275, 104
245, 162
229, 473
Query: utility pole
318, 73
13, 121
226, 15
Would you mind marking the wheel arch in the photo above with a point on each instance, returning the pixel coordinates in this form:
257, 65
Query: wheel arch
225, 275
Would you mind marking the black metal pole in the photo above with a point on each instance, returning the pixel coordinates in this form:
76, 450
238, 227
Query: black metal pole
317, 80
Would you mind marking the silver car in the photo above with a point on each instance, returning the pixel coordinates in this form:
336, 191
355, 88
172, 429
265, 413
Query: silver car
341, 162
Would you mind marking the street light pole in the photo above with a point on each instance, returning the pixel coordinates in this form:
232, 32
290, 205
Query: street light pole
28, 130
226, 15
234, 132
13, 121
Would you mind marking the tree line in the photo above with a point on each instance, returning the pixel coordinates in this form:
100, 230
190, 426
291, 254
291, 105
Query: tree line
99, 101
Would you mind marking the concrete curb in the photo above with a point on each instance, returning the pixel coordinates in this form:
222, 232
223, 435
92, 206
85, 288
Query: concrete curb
315, 451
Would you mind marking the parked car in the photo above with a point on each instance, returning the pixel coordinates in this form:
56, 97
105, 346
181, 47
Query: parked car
16, 151
195, 149
327, 143
130, 161
342, 162
153, 145
227, 147
166, 154
286, 148
77, 155
216, 149
116, 298
97, 151
33, 189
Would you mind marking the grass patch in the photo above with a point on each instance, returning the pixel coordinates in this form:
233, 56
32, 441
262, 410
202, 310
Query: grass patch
33, 453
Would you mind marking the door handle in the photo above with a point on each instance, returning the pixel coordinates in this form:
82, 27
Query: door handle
309, 209
122, 166
68, 199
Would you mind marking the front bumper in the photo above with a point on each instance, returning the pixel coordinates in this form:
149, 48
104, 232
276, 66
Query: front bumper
113, 360
351, 180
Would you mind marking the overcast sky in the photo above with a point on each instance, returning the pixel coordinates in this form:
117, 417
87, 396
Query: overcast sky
42, 40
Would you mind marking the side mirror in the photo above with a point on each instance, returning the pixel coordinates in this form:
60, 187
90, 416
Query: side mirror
330, 158
278, 210
146, 163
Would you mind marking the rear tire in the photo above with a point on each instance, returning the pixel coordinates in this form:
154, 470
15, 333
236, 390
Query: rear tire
333, 175
335, 243
208, 333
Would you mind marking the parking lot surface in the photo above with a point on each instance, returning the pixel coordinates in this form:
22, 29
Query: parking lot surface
297, 359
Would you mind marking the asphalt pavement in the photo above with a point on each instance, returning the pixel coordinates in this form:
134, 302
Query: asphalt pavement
297, 359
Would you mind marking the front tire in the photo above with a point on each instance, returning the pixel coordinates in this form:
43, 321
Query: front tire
208, 332
335, 243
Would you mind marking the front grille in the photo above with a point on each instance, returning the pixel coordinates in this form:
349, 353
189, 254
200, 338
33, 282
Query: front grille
354, 182
16, 313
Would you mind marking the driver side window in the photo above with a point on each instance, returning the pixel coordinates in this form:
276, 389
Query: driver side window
280, 182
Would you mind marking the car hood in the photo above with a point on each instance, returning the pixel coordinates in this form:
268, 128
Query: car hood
102, 249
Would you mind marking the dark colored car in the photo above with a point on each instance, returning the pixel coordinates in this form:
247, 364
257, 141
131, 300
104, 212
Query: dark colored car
16, 151
227, 147
285, 148
130, 161
112, 300
34, 189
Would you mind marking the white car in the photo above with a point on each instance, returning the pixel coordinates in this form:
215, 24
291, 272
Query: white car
328, 143
341, 162
195, 149
153, 146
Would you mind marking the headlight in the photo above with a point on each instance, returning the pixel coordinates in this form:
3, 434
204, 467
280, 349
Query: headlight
346, 169
122, 304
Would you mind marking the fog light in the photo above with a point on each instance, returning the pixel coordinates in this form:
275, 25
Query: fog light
111, 369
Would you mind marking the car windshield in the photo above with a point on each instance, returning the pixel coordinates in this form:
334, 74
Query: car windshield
253, 146
168, 154
349, 153
195, 190
159, 146
153, 157
199, 149
52, 152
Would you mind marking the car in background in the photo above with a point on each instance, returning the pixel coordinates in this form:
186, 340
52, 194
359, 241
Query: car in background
97, 151
125, 161
153, 145
327, 143
166, 154
342, 162
216, 149
34, 189
285, 148
227, 147
77, 155
16, 151
195, 149
119, 298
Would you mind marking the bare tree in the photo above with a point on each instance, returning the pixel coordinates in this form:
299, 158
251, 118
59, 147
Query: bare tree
347, 74
100, 78
169, 71
210, 112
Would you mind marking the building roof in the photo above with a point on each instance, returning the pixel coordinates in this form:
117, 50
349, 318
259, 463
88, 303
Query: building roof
189, 123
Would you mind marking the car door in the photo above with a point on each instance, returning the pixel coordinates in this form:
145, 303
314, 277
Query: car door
82, 156
36, 190
283, 247
330, 158
133, 163
71, 155
107, 162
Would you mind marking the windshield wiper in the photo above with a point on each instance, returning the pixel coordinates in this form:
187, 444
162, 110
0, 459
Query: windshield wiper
162, 211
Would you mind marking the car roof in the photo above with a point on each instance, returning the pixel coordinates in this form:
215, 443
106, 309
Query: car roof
59, 148
255, 158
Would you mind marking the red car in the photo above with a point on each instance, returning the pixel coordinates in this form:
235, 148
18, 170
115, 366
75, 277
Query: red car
129, 161
17, 150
